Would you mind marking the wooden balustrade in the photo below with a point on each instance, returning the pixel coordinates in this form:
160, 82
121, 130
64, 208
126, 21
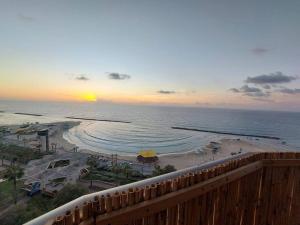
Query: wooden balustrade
261, 189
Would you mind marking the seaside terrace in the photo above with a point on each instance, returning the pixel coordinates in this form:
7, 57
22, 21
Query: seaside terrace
247, 189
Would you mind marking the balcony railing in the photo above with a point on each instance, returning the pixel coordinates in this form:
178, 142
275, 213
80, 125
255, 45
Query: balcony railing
250, 189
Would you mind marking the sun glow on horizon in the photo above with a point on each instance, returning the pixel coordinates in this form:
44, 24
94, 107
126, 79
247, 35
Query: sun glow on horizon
89, 97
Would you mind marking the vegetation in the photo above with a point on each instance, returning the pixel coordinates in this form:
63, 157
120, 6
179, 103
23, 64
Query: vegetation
126, 168
7, 192
68, 193
120, 173
18, 154
92, 162
167, 169
13, 173
39, 205
113, 177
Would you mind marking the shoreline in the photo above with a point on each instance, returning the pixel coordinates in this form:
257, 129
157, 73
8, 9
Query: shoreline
190, 158
227, 147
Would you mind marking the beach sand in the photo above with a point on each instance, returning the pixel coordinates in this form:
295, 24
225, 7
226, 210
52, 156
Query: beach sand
227, 146
179, 160
188, 159
57, 138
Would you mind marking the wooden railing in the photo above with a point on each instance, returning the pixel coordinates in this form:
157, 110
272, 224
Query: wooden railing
258, 189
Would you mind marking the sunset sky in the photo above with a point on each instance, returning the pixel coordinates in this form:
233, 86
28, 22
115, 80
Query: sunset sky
233, 53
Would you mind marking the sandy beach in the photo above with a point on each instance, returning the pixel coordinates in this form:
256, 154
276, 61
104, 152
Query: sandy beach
226, 147
183, 160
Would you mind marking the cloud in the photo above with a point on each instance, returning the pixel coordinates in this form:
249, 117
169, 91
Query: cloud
250, 91
234, 90
272, 78
118, 76
166, 92
259, 51
257, 94
266, 86
82, 77
25, 18
289, 91
247, 89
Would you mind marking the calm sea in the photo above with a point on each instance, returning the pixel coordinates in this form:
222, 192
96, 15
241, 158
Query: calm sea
150, 126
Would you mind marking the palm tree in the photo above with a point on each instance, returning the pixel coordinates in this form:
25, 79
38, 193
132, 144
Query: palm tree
12, 174
126, 169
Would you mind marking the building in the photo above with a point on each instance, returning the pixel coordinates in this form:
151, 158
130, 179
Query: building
44, 139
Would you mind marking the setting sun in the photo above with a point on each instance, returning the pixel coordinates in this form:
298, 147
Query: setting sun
89, 97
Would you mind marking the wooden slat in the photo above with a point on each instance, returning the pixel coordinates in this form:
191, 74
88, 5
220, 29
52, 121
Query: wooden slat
264, 199
259, 189
76, 216
282, 163
294, 215
68, 218
180, 196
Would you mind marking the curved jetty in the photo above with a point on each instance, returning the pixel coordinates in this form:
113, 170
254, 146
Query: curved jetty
28, 114
92, 119
227, 133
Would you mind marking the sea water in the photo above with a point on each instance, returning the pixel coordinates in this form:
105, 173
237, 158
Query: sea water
150, 127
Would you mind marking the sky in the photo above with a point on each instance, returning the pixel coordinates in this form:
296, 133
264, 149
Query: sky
205, 53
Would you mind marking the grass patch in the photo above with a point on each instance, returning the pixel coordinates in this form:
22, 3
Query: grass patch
19, 154
6, 192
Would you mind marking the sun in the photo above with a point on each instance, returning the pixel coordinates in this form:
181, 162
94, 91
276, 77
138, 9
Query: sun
89, 97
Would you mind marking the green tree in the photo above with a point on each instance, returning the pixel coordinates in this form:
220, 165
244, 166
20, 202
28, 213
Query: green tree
159, 171
126, 169
116, 168
169, 169
13, 173
69, 193
92, 162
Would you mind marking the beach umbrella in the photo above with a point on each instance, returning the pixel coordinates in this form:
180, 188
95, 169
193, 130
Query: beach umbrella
147, 156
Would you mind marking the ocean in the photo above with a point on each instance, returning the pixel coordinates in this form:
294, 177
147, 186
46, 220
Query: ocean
150, 127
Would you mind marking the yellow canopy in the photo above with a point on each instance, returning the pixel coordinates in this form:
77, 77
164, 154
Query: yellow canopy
147, 153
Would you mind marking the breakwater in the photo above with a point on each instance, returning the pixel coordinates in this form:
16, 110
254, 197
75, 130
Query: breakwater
227, 133
101, 120
28, 114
